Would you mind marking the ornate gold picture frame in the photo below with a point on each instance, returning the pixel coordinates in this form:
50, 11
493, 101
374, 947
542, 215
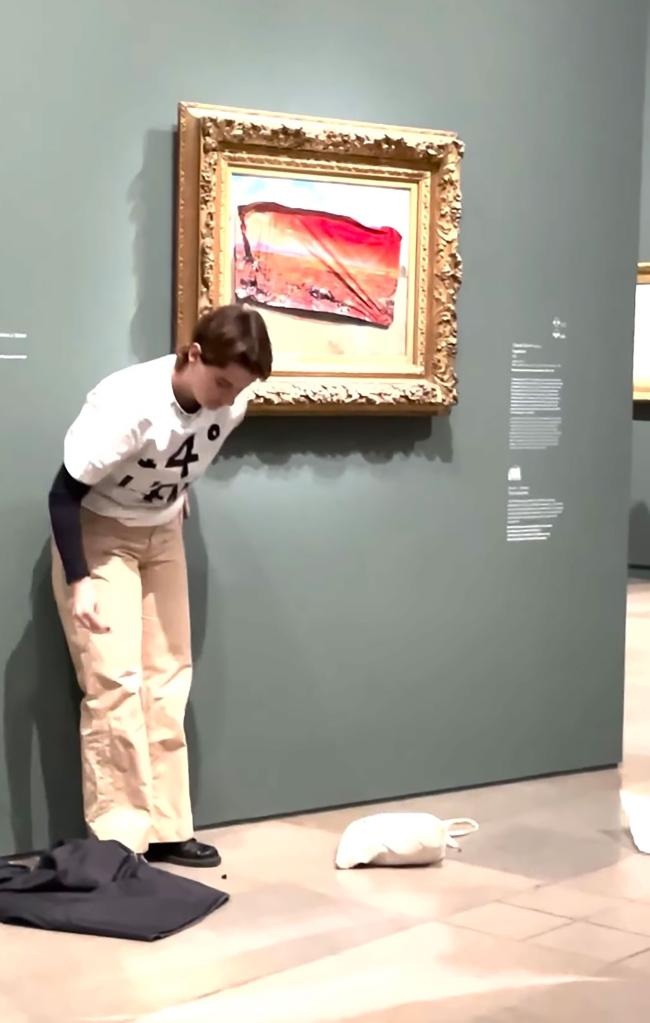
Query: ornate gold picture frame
641, 376
343, 235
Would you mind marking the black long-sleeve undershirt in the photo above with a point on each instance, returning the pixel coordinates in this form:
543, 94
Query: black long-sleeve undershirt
65, 497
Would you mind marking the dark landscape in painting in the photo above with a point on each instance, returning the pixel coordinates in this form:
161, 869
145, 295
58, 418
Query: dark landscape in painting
317, 263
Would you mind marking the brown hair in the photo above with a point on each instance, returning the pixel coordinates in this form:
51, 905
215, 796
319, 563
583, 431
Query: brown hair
230, 334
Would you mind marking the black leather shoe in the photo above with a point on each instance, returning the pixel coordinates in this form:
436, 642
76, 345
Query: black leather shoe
184, 854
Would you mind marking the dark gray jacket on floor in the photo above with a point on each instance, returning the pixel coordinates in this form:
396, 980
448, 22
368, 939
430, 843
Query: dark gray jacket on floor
93, 887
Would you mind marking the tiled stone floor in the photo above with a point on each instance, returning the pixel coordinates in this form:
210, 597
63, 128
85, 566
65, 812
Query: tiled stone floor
545, 916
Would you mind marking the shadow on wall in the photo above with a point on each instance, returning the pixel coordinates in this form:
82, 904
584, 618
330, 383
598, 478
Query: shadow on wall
331, 441
150, 198
41, 721
639, 536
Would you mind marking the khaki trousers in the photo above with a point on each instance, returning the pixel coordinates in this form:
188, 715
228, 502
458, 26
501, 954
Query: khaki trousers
135, 681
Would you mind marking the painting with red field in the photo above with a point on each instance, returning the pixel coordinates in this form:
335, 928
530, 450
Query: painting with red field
321, 248
318, 262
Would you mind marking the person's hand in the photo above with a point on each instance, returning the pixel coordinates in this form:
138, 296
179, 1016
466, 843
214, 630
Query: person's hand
85, 609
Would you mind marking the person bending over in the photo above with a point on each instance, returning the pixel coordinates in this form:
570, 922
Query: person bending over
143, 436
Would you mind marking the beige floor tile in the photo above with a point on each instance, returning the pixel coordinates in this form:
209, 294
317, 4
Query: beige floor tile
599, 942
546, 851
274, 851
432, 972
305, 856
596, 813
265, 931
220, 877
507, 921
564, 900
629, 916
8, 1014
423, 893
635, 966
591, 1001
629, 879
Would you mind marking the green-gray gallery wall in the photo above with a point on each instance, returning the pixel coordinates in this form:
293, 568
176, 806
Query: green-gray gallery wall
362, 628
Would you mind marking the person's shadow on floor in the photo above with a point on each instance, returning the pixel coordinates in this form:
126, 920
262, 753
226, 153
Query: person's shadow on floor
41, 721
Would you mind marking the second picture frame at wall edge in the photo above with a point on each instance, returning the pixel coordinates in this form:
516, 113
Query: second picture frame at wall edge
641, 372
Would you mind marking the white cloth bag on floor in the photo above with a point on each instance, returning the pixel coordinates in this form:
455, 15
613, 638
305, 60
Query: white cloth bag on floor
399, 840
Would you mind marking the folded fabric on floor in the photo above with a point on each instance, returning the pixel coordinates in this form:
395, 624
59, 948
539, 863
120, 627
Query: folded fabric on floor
93, 887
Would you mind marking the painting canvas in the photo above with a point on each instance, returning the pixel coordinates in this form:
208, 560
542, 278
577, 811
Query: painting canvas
326, 262
343, 235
